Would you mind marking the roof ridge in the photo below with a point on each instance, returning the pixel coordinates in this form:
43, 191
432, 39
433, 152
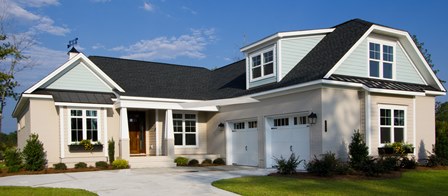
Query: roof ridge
143, 61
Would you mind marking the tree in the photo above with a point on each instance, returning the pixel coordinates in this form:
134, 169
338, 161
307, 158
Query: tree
358, 150
34, 154
426, 54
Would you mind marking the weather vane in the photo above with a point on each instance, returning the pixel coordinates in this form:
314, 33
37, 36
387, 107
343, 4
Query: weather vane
72, 42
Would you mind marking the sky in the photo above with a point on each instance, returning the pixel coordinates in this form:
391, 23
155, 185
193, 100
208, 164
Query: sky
198, 33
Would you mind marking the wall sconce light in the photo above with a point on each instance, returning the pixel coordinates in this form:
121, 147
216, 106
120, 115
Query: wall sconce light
221, 125
312, 118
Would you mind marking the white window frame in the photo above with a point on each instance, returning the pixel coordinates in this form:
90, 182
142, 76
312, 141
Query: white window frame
392, 126
381, 60
84, 123
184, 132
274, 63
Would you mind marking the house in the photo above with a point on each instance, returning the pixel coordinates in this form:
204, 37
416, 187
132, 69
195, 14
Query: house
300, 91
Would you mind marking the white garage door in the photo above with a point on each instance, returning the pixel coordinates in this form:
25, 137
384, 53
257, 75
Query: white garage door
245, 143
290, 134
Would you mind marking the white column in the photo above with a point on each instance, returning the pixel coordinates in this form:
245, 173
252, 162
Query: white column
61, 132
105, 141
158, 143
169, 134
124, 134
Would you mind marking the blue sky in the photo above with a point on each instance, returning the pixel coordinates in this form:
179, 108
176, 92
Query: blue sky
199, 33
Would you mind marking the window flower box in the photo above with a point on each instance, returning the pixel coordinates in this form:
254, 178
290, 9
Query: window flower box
81, 148
397, 148
385, 150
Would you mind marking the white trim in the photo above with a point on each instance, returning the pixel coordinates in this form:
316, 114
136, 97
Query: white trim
396, 92
184, 141
262, 63
219, 102
134, 98
160, 105
60, 69
124, 128
61, 131
368, 102
381, 61
84, 118
268, 143
435, 93
37, 96
229, 144
412, 63
286, 34
105, 141
414, 120
157, 133
87, 105
392, 107
279, 61
349, 52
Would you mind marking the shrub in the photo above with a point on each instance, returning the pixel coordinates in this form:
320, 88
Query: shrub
101, 164
358, 151
206, 162
219, 161
181, 161
14, 168
388, 163
111, 147
120, 164
80, 165
441, 146
13, 157
60, 166
287, 166
328, 165
193, 162
372, 167
408, 163
34, 154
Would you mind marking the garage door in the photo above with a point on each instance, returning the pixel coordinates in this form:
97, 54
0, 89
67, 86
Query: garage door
289, 134
245, 143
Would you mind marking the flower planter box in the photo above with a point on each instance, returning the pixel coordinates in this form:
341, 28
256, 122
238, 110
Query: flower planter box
81, 148
409, 150
385, 151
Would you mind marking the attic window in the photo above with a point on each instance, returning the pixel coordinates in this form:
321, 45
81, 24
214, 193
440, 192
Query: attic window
262, 64
381, 60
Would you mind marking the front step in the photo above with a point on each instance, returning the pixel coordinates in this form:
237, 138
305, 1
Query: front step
151, 162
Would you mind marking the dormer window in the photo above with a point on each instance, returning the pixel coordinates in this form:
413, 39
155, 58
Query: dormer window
262, 64
381, 60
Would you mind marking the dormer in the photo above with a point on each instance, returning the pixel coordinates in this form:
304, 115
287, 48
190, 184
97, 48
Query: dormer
270, 59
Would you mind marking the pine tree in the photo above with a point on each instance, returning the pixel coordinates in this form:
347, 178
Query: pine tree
358, 150
34, 154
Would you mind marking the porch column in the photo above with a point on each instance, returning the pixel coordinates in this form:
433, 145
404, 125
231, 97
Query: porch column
124, 134
169, 134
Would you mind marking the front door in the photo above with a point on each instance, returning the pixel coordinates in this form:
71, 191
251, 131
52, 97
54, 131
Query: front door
137, 132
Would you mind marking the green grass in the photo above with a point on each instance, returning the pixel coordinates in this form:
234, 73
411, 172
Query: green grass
429, 182
30, 191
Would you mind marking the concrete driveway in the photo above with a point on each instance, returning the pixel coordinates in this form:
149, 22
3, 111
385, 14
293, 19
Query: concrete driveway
151, 181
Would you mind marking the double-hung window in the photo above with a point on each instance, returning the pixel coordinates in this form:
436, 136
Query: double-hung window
381, 60
392, 124
185, 130
83, 125
262, 64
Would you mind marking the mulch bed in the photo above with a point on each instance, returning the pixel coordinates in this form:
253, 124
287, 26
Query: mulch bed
357, 175
4, 172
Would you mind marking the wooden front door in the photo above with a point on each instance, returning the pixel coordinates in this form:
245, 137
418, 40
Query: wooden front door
137, 133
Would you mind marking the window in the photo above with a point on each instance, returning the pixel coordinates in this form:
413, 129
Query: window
84, 125
238, 125
279, 122
262, 64
392, 125
381, 60
185, 131
252, 124
301, 120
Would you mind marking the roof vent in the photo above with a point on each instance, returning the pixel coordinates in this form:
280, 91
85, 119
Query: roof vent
72, 53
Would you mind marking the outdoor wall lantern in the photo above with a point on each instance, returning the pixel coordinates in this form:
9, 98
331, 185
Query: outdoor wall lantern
221, 125
312, 118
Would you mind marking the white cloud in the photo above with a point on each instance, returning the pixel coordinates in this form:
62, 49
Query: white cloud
189, 45
16, 10
189, 10
100, 1
98, 46
148, 6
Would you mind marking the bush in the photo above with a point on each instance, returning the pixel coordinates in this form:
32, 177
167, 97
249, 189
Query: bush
14, 168
60, 166
207, 162
101, 164
328, 165
372, 167
80, 165
13, 157
120, 164
34, 154
111, 147
181, 161
408, 163
219, 161
193, 162
358, 151
434, 161
389, 163
287, 166
441, 146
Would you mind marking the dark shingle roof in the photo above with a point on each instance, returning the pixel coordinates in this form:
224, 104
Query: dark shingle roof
150, 79
78, 96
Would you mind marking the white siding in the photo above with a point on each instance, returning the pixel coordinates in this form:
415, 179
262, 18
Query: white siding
79, 78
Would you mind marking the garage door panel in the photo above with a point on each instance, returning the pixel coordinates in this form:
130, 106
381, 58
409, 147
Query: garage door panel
289, 139
245, 147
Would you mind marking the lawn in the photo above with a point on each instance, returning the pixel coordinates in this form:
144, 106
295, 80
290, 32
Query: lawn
425, 182
29, 191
